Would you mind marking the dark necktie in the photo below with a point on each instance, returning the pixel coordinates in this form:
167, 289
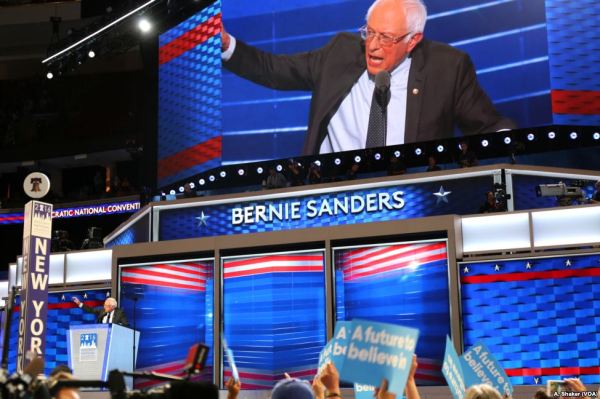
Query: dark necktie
378, 115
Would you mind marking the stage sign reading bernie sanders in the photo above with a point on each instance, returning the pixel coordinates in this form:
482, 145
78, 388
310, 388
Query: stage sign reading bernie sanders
296, 210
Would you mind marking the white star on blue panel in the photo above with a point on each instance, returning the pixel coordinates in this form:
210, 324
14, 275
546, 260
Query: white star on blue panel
202, 219
442, 195
568, 263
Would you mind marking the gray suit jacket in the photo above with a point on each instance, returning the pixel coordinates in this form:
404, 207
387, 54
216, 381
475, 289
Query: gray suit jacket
443, 91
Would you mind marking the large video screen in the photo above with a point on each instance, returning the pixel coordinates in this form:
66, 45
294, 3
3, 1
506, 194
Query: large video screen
540, 316
171, 304
399, 283
62, 313
274, 315
189, 97
507, 41
209, 117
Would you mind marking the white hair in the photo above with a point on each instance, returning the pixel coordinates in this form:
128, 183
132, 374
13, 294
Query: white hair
482, 391
111, 301
416, 14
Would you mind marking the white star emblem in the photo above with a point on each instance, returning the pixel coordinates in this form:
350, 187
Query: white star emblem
528, 265
441, 195
536, 380
466, 269
85, 295
497, 268
62, 298
202, 219
568, 263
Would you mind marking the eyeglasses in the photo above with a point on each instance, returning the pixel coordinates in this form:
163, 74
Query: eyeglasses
385, 39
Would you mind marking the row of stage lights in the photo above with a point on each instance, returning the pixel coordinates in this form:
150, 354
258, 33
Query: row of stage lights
77, 56
500, 141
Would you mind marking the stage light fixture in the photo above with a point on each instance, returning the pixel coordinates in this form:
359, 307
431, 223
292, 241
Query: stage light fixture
573, 135
223, 173
144, 25
211, 178
596, 136
202, 182
440, 148
484, 143
357, 159
507, 140
91, 53
531, 137
377, 156
317, 162
337, 161
172, 192
241, 172
181, 189
49, 75
418, 151
279, 168
551, 135
259, 170
397, 154
192, 185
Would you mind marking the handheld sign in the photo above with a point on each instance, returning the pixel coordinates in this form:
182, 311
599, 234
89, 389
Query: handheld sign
231, 361
378, 350
452, 371
362, 391
335, 349
481, 367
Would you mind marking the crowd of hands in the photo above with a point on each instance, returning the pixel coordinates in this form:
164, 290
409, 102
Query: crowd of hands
326, 384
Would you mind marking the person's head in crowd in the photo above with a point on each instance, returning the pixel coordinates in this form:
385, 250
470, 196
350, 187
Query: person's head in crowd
482, 391
432, 164
541, 394
61, 368
393, 30
292, 388
110, 304
66, 392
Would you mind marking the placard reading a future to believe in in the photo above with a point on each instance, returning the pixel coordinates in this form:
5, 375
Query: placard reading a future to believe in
476, 366
365, 352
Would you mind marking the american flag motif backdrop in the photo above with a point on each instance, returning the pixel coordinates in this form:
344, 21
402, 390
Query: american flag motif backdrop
189, 96
539, 316
62, 314
402, 283
274, 315
173, 306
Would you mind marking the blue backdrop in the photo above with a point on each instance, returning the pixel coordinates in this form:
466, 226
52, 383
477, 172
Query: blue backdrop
540, 317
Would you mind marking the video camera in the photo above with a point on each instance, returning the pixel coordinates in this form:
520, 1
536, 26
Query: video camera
561, 189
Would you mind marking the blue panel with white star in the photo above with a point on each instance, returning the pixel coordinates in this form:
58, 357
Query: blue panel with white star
462, 197
540, 316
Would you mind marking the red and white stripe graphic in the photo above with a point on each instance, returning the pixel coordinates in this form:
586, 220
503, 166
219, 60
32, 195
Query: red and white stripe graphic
290, 263
372, 261
189, 275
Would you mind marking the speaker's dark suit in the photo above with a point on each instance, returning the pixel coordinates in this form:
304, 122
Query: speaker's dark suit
442, 86
118, 318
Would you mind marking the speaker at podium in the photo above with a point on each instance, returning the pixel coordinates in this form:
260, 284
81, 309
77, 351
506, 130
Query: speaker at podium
96, 349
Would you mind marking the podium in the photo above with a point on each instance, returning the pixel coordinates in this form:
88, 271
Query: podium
96, 349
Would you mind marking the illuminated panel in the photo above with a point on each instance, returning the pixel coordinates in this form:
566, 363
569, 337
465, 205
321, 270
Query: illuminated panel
494, 232
274, 315
404, 284
566, 226
540, 317
171, 304
89, 266
189, 97
62, 313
